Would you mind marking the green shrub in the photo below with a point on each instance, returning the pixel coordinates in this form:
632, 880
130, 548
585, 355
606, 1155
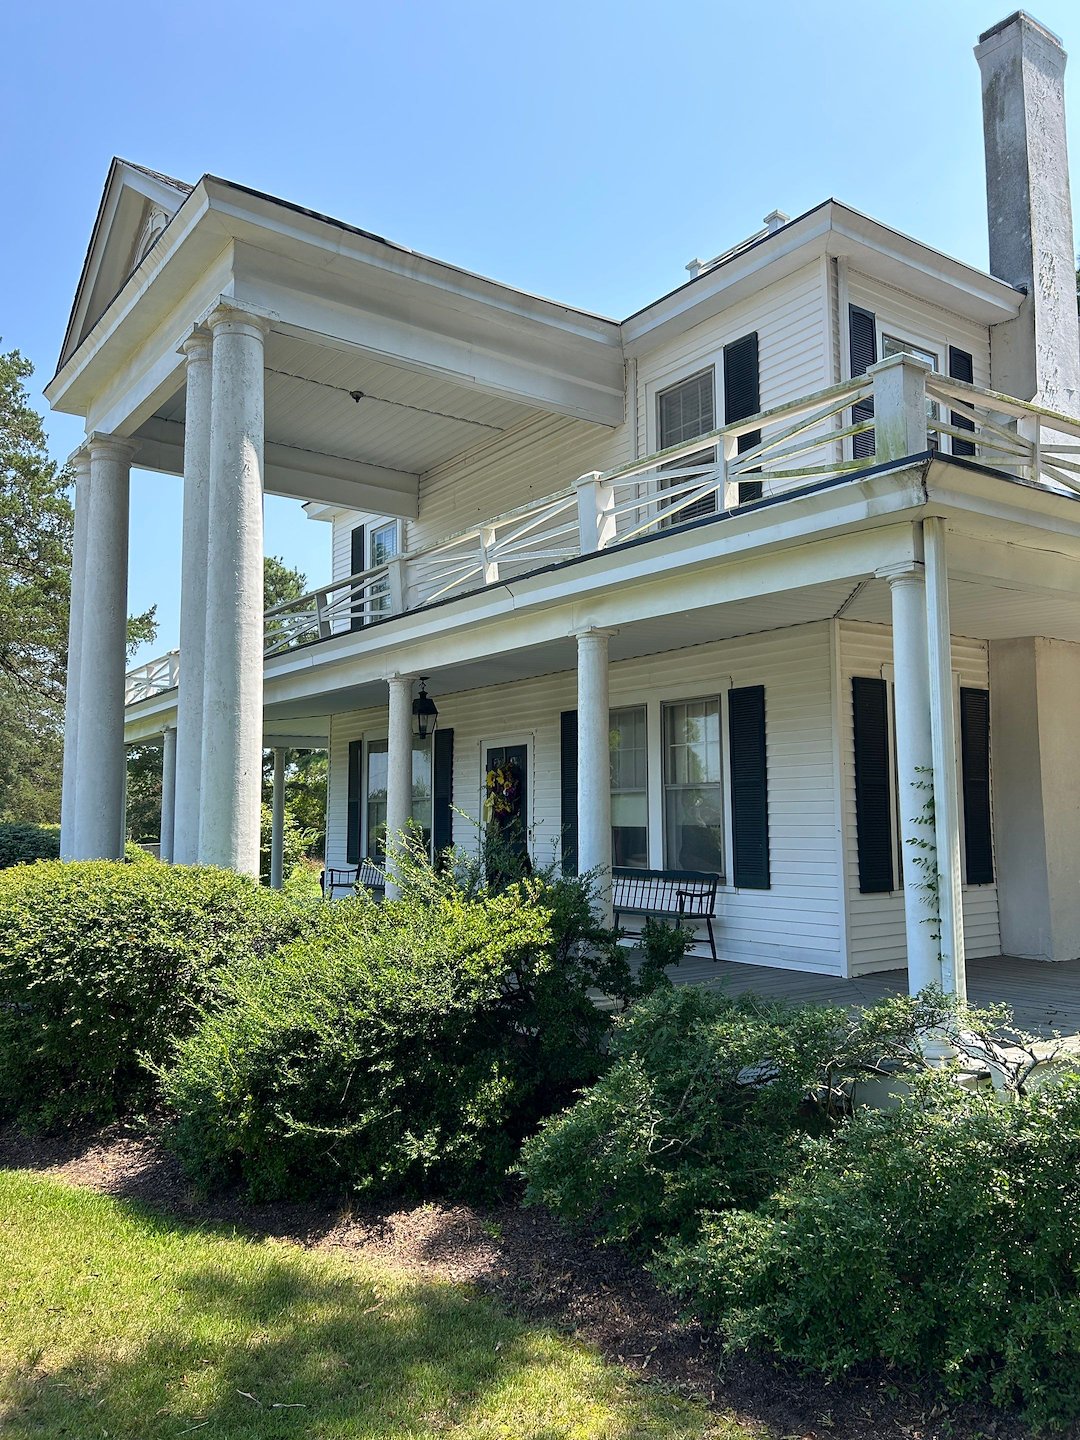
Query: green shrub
101, 962
702, 1108
408, 1047
941, 1237
19, 843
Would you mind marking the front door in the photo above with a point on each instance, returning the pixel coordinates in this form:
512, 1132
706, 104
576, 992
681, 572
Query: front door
506, 811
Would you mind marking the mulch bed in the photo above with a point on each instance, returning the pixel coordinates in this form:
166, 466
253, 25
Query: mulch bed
526, 1261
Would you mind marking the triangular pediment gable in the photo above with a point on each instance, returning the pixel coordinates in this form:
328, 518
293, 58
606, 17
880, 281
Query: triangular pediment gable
136, 206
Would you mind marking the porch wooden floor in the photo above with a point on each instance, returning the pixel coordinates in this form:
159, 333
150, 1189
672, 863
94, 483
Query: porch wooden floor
1044, 998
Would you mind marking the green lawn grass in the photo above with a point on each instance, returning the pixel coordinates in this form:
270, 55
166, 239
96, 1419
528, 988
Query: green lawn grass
116, 1322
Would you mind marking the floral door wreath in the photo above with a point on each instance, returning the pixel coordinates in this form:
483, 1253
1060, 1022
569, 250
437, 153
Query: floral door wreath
502, 792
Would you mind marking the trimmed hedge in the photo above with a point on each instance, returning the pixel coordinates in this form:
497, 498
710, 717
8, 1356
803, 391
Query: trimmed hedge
941, 1237
680, 1123
407, 1047
103, 963
20, 844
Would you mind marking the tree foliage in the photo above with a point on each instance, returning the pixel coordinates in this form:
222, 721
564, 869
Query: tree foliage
36, 521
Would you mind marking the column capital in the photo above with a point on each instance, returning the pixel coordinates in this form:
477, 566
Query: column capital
79, 460
239, 318
594, 632
118, 446
198, 344
902, 571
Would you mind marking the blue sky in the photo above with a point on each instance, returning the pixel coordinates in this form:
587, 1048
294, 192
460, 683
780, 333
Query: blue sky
584, 150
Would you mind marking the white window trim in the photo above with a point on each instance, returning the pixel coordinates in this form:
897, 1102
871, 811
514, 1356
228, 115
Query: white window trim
653, 698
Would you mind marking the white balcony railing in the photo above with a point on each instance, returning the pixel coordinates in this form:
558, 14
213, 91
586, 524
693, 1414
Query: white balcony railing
153, 678
790, 448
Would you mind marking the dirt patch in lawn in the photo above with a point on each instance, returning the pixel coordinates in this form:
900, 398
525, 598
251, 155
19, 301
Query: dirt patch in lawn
526, 1261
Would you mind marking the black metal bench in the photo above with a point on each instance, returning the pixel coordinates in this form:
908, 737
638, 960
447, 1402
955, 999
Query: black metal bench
684, 894
351, 878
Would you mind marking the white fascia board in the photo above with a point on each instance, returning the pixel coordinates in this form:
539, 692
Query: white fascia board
254, 216
154, 372
1002, 500
899, 260
330, 480
830, 229
318, 510
517, 358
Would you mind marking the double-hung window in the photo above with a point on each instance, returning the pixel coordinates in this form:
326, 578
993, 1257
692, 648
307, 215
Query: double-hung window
686, 411
629, 787
376, 794
693, 799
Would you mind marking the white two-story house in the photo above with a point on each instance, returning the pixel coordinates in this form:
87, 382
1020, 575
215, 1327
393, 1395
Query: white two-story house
777, 578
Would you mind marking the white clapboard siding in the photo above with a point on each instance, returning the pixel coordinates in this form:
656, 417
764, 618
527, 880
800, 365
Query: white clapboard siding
797, 923
536, 458
790, 320
345, 522
876, 922
926, 325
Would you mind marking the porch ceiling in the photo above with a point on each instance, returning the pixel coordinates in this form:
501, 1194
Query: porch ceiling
406, 423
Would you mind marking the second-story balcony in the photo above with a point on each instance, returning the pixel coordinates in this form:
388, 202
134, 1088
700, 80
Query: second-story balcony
899, 412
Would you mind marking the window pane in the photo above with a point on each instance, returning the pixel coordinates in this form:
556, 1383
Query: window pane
629, 787
687, 411
693, 806
376, 794
376, 798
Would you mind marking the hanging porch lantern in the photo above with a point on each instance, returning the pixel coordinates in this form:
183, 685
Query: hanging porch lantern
425, 712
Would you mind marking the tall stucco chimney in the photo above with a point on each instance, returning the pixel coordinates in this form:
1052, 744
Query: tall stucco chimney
1036, 356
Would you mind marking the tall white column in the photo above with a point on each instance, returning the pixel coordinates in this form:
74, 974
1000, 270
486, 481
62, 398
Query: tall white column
914, 767
398, 772
943, 730
594, 764
189, 714
277, 822
100, 761
68, 800
231, 779
168, 793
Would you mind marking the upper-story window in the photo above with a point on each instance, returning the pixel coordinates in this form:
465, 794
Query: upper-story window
686, 411
384, 546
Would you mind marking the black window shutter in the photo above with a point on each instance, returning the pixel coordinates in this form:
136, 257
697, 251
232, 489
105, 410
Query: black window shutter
442, 813
975, 760
352, 823
873, 815
568, 732
862, 334
742, 397
749, 787
358, 561
961, 367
